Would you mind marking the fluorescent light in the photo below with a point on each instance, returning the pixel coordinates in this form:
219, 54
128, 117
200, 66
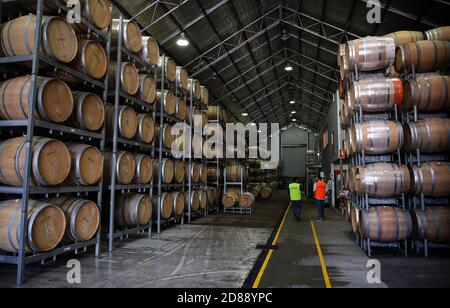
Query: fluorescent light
289, 68
294, 112
292, 102
183, 41
294, 120
245, 114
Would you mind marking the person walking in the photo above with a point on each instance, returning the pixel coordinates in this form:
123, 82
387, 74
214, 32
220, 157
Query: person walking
320, 195
295, 192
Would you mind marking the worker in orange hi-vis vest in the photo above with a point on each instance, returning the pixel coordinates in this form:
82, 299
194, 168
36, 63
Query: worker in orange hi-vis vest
320, 194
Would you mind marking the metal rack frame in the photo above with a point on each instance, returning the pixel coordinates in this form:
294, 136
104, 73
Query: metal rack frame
22, 259
238, 209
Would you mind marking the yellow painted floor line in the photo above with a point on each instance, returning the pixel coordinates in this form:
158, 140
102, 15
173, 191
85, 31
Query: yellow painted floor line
322, 259
269, 255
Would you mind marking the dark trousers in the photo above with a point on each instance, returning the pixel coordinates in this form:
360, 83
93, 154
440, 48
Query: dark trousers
297, 207
321, 205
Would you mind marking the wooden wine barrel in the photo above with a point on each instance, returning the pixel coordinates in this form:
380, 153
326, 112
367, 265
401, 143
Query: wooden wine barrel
133, 210
46, 226
214, 113
211, 192
432, 179
168, 138
431, 135
150, 50
355, 216
382, 180
405, 37
54, 99
179, 203
146, 128
203, 198
203, 173
51, 162
167, 170
144, 169
352, 179
193, 201
169, 102
182, 78
58, 40
128, 121
181, 109
180, 171
255, 191
429, 94
214, 173
147, 89
82, 216
234, 173
205, 95
165, 206
247, 200
438, 34
87, 164
432, 225
89, 111
378, 137
230, 199
132, 37
129, 77
91, 59
196, 87
125, 168
385, 224
376, 95
266, 193
197, 172
170, 66
424, 56
370, 54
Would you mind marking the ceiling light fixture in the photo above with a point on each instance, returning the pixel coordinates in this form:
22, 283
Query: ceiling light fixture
288, 68
183, 41
294, 120
294, 112
245, 114
292, 102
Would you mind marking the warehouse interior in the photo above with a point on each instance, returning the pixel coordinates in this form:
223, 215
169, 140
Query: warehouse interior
355, 94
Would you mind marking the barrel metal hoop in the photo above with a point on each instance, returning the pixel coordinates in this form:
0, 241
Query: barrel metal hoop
136, 209
5, 109
436, 55
17, 163
42, 83
379, 227
430, 92
40, 145
33, 217
434, 179
80, 104
397, 218
77, 207
419, 57
437, 223
18, 227
428, 141
78, 177
445, 81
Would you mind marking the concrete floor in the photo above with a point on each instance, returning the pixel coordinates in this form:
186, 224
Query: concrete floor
221, 251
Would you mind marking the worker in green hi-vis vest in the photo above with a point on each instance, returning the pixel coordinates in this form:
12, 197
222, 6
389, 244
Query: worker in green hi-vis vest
295, 192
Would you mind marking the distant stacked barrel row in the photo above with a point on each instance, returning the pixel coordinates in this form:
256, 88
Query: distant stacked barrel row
380, 61
53, 162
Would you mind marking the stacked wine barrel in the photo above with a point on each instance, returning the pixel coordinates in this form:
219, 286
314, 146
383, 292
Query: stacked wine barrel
370, 97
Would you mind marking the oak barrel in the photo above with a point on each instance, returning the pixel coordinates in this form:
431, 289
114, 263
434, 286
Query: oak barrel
169, 102
89, 111
204, 173
438, 34
214, 173
424, 56
87, 164
255, 191
168, 170
170, 66
91, 59
180, 171
50, 163
234, 173
378, 137
203, 198
165, 206
181, 109
266, 193
196, 87
432, 225
82, 218
146, 128
132, 37
168, 139
147, 89
150, 50
230, 199
128, 121
125, 168
54, 99
193, 201
179, 203
431, 135
58, 40
371, 53
432, 179
355, 218
129, 77
427, 93
45, 229
247, 200
385, 224
133, 210
182, 78
205, 95
144, 169
405, 37
376, 95
382, 180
